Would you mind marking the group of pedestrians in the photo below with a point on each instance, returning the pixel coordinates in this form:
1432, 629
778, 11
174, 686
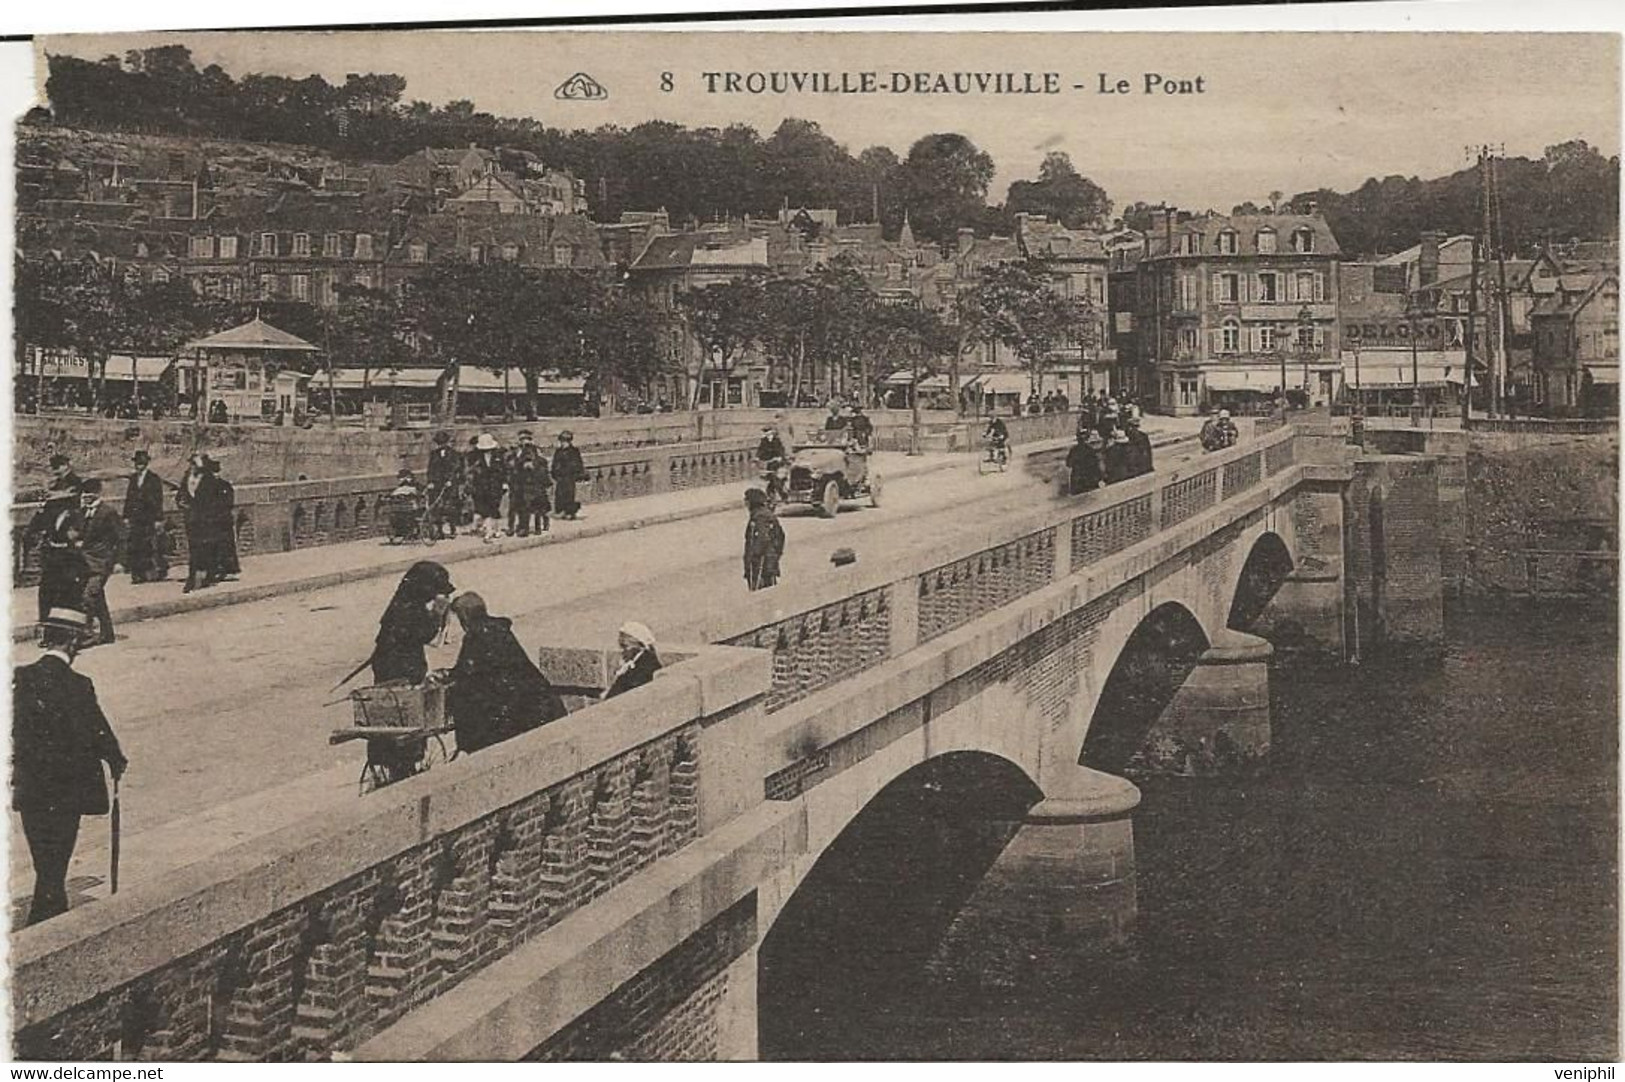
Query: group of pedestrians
1055, 401
473, 487
1111, 447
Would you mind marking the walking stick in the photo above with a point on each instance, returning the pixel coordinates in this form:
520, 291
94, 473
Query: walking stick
113, 875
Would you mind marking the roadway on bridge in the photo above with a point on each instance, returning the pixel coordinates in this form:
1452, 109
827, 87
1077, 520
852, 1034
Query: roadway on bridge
214, 706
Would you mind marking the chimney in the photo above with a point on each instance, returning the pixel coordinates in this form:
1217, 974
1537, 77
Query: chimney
1168, 215
1427, 258
967, 237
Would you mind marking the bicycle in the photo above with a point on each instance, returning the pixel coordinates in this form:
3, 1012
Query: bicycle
997, 457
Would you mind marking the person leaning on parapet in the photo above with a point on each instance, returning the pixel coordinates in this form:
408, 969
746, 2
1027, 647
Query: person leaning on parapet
59, 740
764, 542
496, 691
104, 540
144, 523
1229, 435
639, 662
445, 477
568, 471
1085, 470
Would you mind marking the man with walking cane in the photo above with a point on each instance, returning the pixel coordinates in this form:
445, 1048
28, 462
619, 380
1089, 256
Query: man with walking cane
59, 739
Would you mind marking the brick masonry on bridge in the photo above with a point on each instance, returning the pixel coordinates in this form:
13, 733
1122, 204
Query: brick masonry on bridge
858, 689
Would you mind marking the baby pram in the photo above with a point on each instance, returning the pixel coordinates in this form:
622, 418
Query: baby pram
411, 517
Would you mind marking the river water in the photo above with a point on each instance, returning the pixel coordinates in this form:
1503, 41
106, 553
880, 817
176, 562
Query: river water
1425, 870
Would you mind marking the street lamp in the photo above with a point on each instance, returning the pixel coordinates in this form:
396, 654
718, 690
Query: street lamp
1280, 350
1306, 344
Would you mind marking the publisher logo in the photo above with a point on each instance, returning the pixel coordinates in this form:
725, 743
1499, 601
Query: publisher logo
581, 87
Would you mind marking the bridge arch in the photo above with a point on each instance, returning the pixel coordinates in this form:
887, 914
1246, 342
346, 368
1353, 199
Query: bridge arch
1262, 574
1153, 663
858, 925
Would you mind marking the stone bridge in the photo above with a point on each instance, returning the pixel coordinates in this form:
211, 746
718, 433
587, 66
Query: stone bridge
644, 878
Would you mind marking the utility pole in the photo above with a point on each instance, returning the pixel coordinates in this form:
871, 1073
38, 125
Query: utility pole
1502, 321
1471, 338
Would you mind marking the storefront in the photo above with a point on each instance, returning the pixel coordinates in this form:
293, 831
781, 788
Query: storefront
1389, 382
62, 379
998, 392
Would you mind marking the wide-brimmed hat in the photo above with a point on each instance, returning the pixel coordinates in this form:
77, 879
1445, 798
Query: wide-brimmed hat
525, 434
66, 620
486, 442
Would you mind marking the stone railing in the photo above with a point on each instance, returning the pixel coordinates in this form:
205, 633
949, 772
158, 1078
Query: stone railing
287, 515
307, 940
831, 630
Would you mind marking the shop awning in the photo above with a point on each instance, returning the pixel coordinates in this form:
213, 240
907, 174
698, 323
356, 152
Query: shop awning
483, 380
121, 367
1242, 379
995, 383
1603, 373
903, 378
1387, 375
355, 379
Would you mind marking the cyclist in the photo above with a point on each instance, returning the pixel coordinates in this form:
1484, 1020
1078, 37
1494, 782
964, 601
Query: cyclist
997, 438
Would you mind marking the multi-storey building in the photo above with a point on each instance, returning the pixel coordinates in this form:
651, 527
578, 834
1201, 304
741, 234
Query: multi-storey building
1222, 303
1576, 348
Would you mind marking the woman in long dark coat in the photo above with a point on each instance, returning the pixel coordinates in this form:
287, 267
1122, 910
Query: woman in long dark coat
201, 497
415, 616
568, 471
226, 562
496, 691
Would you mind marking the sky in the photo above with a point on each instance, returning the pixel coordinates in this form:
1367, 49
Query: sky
1276, 110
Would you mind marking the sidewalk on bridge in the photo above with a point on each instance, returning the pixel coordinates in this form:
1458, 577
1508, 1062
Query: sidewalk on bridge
322, 566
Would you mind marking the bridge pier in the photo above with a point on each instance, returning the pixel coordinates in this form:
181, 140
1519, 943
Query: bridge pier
1062, 890
1307, 610
1220, 716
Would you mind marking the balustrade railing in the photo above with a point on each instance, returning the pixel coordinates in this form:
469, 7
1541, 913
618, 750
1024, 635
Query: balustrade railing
898, 609
286, 515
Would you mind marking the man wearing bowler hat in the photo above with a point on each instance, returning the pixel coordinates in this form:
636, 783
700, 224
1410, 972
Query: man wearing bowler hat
59, 740
144, 521
445, 475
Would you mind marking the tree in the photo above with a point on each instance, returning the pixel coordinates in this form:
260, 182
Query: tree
623, 341
1016, 305
367, 331
725, 318
1060, 193
910, 336
944, 181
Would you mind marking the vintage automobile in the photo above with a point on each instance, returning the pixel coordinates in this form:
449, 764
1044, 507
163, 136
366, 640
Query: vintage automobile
829, 468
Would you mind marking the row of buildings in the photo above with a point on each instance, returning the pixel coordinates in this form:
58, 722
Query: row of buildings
1197, 312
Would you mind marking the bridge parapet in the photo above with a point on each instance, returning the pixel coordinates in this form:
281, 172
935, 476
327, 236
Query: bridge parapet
837, 627
305, 942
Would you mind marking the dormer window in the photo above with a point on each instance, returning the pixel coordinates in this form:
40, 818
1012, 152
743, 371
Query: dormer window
474, 253
267, 244
1227, 242
417, 252
1191, 244
510, 252
363, 245
563, 255
1303, 240
1266, 242
141, 249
